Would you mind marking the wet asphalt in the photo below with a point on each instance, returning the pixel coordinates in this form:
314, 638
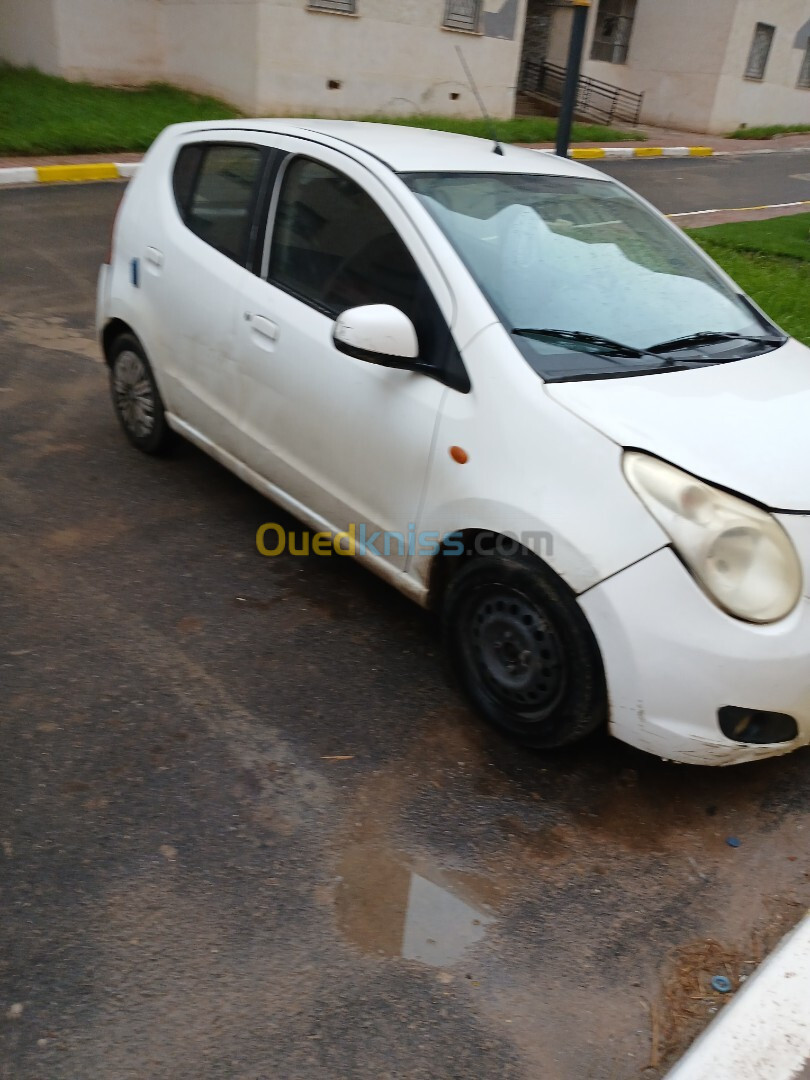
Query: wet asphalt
683, 185
249, 829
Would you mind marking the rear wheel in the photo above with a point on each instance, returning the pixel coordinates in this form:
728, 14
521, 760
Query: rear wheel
524, 650
136, 398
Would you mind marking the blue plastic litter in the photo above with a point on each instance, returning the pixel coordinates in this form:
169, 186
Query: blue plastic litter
733, 841
721, 984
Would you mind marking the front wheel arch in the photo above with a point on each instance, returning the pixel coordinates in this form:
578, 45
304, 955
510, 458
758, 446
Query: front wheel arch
448, 560
523, 649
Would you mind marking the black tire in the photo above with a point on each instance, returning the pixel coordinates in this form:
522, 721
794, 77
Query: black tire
136, 398
524, 651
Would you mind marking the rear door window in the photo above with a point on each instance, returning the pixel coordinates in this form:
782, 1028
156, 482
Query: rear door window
216, 188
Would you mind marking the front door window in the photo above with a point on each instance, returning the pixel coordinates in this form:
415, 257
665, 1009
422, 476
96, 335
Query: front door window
334, 248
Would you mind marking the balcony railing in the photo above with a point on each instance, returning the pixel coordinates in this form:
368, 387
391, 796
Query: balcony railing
599, 100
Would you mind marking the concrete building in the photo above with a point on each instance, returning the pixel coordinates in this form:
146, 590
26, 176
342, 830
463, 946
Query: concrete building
332, 57
702, 65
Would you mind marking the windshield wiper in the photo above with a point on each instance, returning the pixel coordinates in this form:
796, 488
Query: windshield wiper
712, 337
604, 345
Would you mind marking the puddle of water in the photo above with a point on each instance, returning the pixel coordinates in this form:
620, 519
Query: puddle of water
386, 906
439, 927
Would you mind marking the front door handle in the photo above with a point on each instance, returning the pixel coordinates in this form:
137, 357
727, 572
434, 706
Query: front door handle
154, 257
262, 326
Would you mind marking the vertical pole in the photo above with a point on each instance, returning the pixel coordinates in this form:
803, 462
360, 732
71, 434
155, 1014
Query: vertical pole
569, 97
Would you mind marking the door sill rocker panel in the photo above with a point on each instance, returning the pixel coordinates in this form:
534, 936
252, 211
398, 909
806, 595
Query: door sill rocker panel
398, 578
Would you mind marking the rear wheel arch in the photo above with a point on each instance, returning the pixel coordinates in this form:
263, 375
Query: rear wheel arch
135, 394
113, 330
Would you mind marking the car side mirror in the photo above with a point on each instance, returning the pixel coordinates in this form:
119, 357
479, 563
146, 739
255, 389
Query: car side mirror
379, 334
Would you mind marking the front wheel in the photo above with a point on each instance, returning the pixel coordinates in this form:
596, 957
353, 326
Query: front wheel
136, 398
524, 651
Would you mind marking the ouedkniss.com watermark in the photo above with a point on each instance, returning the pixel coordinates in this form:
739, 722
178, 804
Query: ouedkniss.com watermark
273, 540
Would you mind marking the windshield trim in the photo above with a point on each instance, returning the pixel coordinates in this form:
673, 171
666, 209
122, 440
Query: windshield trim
678, 367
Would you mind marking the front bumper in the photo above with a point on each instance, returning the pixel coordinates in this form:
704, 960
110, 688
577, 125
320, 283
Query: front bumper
673, 659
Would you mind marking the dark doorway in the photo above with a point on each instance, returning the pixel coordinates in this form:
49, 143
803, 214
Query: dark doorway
536, 39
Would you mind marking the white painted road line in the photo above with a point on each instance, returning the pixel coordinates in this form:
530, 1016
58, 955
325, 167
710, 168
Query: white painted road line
742, 209
764, 1032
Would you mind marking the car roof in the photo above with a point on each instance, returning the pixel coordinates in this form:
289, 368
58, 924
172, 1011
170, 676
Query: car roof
410, 149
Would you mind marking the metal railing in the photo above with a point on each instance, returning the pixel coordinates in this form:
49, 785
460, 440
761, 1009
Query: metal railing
600, 100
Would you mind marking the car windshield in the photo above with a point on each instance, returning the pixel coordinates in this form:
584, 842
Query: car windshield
588, 280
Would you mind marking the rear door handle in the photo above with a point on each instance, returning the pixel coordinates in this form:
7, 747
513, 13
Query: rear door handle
262, 326
154, 256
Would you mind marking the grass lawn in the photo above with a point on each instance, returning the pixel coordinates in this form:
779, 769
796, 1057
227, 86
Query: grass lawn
768, 132
41, 114
522, 129
771, 261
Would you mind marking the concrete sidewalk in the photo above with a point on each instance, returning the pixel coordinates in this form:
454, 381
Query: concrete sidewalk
17, 162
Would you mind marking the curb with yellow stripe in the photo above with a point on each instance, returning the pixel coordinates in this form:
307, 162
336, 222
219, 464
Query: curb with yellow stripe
108, 170
596, 153
60, 174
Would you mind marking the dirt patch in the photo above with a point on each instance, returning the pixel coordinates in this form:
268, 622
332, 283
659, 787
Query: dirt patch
51, 332
190, 624
688, 1000
549, 847
73, 538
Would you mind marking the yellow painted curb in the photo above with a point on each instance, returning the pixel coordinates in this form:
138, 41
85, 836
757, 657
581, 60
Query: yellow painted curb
592, 153
55, 174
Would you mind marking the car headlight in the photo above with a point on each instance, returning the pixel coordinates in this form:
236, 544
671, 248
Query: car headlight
740, 554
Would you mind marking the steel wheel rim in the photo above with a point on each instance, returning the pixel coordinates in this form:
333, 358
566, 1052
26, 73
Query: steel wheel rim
133, 393
515, 651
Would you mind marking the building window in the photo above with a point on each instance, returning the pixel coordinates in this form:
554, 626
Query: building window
760, 50
462, 15
614, 25
804, 74
342, 7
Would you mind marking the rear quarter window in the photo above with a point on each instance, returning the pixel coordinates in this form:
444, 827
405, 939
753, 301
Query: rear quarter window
185, 173
216, 188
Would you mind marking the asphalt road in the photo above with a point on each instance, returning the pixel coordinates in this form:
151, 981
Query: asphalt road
683, 185
248, 829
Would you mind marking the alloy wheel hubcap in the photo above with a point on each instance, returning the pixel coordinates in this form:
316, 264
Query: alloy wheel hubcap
134, 397
517, 651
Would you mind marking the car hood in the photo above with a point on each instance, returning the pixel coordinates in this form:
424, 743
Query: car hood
744, 426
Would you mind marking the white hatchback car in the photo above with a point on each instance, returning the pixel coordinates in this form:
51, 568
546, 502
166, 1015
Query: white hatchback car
528, 399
